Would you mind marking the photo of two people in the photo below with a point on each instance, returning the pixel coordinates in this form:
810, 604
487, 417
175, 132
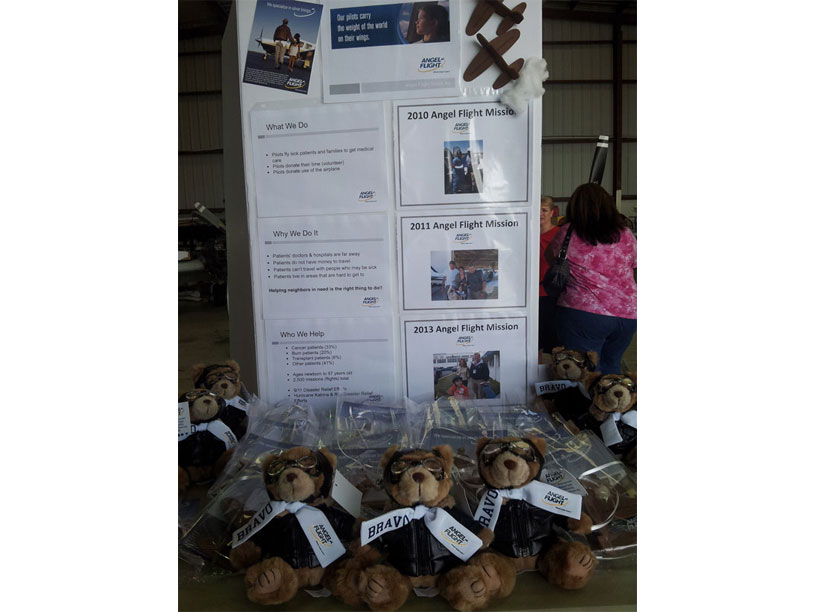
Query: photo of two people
464, 275
466, 376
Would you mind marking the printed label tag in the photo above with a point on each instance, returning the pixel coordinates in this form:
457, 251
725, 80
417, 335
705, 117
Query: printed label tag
321, 536
610, 432
238, 402
562, 479
552, 386
257, 522
222, 431
536, 493
346, 495
456, 538
184, 426
558, 501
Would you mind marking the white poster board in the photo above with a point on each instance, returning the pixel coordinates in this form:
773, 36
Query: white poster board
377, 170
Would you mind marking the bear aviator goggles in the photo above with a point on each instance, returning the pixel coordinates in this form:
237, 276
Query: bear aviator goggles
308, 463
606, 383
574, 356
432, 464
191, 396
214, 377
519, 448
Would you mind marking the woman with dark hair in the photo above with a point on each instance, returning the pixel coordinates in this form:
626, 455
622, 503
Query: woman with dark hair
597, 310
432, 24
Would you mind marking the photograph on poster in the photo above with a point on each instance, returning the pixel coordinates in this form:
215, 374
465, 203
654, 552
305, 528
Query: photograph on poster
465, 261
463, 166
283, 45
464, 275
486, 149
470, 375
382, 50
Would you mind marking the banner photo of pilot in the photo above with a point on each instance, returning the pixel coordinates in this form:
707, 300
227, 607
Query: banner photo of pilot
463, 166
416, 53
282, 46
465, 376
464, 275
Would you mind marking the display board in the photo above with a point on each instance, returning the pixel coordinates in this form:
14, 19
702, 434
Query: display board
392, 207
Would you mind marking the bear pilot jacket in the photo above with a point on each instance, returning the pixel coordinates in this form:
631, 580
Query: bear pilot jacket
414, 551
524, 530
283, 537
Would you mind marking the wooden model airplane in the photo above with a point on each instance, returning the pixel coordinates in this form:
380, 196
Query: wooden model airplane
486, 8
492, 53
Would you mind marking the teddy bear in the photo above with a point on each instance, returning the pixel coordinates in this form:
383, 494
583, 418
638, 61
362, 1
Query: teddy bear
567, 393
222, 379
208, 431
527, 516
287, 544
612, 414
418, 541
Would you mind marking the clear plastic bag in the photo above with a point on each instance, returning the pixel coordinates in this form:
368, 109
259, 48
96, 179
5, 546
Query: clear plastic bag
285, 425
363, 430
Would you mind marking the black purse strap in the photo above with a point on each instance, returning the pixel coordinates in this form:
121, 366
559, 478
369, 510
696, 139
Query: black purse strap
564, 248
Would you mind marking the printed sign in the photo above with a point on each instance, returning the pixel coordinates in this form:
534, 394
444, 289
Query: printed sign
382, 50
462, 153
320, 160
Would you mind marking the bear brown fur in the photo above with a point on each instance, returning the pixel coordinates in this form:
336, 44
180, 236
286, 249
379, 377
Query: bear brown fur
514, 462
222, 379
277, 559
613, 393
367, 579
201, 455
575, 366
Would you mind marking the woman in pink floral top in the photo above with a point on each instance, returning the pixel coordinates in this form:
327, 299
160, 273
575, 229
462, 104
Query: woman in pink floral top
597, 310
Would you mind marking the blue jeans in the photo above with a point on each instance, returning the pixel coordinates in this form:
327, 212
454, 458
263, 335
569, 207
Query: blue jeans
587, 331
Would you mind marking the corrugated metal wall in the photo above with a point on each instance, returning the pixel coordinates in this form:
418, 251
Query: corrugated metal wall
200, 123
573, 110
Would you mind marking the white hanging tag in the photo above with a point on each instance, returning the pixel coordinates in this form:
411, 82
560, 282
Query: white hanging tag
184, 424
610, 432
346, 495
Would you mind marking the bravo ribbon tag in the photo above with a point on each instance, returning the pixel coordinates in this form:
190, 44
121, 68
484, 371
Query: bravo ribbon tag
456, 538
610, 430
535, 493
552, 386
313, 522
217, 428
238, 402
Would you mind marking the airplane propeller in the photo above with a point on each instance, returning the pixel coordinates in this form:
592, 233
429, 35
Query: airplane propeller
259, 40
